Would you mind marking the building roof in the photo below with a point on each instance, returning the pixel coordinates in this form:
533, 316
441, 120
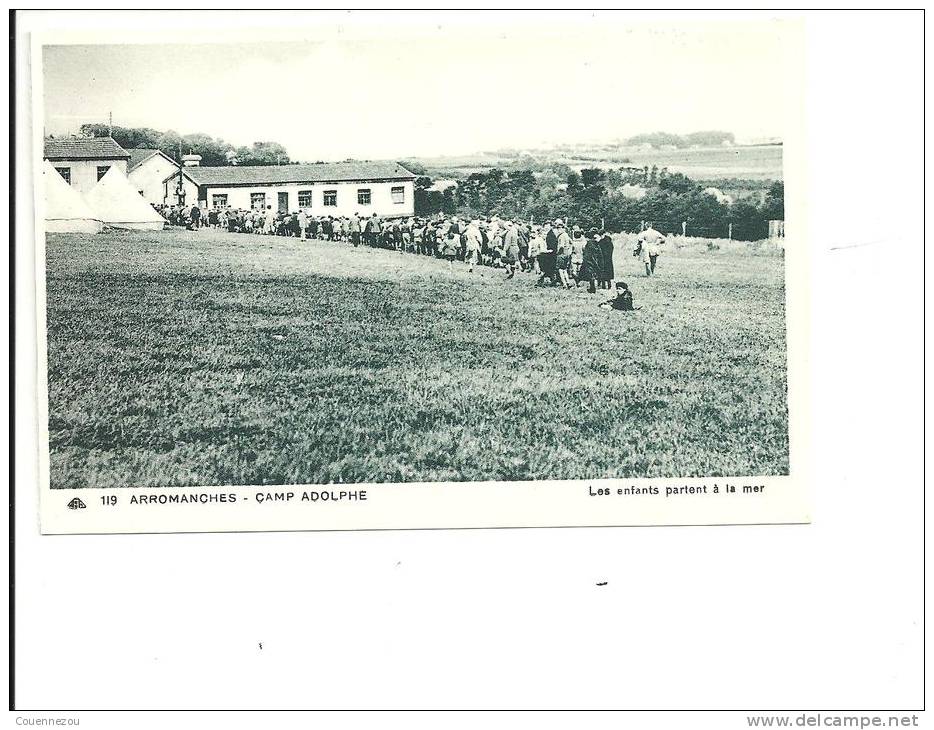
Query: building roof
278, 174
83, 148
139, 155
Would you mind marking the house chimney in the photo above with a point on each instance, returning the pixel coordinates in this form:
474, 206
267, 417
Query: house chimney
191, 160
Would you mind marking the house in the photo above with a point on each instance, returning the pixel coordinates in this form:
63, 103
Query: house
721, 197
633, 192
442, 185
82, 161
336, 189
147, 170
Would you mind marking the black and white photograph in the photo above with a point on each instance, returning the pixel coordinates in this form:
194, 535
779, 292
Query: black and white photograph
475, 359
517, 266
532, 267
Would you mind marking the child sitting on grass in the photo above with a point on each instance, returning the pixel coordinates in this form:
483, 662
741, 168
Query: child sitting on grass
622, 301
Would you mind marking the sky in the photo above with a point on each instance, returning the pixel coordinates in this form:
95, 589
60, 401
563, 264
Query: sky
444, 90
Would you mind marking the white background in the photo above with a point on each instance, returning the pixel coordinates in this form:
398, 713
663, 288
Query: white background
820, 617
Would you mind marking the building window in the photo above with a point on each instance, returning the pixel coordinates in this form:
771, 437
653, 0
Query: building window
304, 198
219, 201
398, 194
330, 197
363, 196
101, 171
257, 201
65, 172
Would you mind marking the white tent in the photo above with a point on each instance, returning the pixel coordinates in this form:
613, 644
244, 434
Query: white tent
65, 210
120, 206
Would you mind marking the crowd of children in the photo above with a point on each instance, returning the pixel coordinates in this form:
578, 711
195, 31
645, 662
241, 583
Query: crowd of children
557, 255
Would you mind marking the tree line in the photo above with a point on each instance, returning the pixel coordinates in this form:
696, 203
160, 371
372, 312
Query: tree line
214, 152
617, 199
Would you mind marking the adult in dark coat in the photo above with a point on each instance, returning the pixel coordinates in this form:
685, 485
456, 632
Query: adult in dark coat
551, 237
607, 271
592, 266
547, 259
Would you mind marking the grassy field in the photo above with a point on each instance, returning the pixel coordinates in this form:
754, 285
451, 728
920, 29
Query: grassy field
180, 358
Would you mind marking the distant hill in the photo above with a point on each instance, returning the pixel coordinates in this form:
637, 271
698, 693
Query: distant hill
712, 138
750, 163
